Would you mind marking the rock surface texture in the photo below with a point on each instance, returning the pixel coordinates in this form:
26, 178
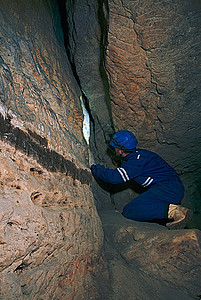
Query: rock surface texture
148, 261
136, 66
50, 234
153, 64
87, 33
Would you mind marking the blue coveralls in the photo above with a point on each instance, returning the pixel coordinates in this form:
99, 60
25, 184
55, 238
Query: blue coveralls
161, 182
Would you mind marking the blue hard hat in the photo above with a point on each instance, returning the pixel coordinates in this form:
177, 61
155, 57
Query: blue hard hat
124, 140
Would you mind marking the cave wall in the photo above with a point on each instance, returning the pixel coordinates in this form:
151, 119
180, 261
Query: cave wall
151, 56
36, 88
87, 25
153, 64
136, 66
50, 234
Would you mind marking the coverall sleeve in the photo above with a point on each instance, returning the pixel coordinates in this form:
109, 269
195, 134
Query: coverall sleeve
105, 174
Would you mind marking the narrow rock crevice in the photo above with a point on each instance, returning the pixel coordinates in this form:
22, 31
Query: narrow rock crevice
103, 18
65, 28
69, 51
67, 11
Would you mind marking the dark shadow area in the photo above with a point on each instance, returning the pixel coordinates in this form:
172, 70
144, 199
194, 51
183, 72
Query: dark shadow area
116, 160
65, 28
103, 19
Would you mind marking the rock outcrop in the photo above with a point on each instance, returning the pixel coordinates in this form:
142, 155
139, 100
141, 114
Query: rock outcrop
148, 261
51, 238
135, 66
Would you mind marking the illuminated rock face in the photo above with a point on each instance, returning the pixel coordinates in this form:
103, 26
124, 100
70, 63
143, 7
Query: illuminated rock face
39, 88
50, 234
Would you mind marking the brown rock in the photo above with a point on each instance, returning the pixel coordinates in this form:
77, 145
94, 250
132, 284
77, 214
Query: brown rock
152, 61
51, 235
149, 261
39, 90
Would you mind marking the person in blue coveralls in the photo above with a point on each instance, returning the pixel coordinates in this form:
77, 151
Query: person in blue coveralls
160, 182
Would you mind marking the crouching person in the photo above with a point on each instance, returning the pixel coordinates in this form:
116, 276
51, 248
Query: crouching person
163, 189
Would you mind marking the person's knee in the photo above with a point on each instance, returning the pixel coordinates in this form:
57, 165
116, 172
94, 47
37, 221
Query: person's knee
141, 212
126, 213
130, 212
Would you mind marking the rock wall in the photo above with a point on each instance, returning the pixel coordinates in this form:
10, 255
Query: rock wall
148, 261
135, 65
152, 62
38, 84
150, 53
87, 35
51, 237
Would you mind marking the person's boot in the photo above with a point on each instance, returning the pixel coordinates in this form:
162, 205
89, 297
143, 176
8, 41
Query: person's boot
180, 215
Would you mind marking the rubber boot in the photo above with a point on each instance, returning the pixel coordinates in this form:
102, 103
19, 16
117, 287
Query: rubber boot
181, 216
